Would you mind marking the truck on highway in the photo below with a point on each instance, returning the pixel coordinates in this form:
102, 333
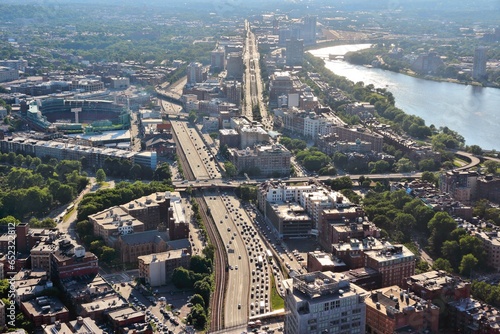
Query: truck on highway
262, 305
259, 260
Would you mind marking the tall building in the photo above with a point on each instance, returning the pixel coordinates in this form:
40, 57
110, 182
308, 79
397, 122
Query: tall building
194, 73
309, 30
294, 52
218, 59
323, 302
479, 66
234, 66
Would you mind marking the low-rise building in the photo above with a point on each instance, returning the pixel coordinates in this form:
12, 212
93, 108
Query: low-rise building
271, 160
393, 310
78, 326
131, 246
366, 278
289, 219
323, 302
461, 185
395, 263
125, 317
469, 315
98, 308
229, 137
157, 268
44, 311
29, 284
152, 210
436, 284
113, 222
73, 262
320, 261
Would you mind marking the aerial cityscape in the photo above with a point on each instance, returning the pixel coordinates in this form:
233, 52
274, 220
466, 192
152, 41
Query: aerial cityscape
230, 166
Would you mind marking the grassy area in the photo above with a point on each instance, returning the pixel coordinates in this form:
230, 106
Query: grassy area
457, 162
277, 302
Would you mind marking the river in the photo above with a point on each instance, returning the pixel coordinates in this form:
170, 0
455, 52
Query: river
474, 112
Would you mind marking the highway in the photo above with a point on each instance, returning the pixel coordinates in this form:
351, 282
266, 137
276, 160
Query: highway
252, 79
236, 299
195, 151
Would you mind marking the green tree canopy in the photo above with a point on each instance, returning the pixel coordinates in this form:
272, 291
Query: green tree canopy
468, 264
100, 175
440, 227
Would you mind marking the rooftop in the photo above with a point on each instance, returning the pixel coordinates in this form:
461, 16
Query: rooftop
107, 303
44, 305
125, 313
318, 284
290, 211
393, 299
165, 256
114, 217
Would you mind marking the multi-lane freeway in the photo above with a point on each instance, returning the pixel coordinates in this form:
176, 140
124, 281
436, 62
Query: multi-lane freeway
194, 151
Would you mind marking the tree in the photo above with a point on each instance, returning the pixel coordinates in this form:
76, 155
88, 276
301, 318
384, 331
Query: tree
136, 171
162, 172
204, 289
471, 245
100, 175
468, 264
192, 116
209, 251
200, 264
379, 167
442, 264
84, 228
108, 255
196, 299
181, 278
440, 227
197, 317
451, 252
427, 165
429, 177
474, 149
230, 169
405, 223
491, 166
404, 165
64, 193
343, 182
9, 221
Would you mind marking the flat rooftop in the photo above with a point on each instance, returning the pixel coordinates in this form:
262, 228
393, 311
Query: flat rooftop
164, 256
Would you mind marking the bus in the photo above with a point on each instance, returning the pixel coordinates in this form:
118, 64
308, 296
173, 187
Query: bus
269, 255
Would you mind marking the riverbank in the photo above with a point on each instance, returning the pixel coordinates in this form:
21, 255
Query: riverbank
469, 110
440, 79
368, 60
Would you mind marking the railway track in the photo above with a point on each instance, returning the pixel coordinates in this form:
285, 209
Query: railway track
221, 263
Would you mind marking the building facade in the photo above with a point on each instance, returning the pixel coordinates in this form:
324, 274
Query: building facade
157, 268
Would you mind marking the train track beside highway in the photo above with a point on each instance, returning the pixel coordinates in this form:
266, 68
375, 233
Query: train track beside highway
220, 256
221, 263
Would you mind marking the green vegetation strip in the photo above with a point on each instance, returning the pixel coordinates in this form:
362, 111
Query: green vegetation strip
277, 302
